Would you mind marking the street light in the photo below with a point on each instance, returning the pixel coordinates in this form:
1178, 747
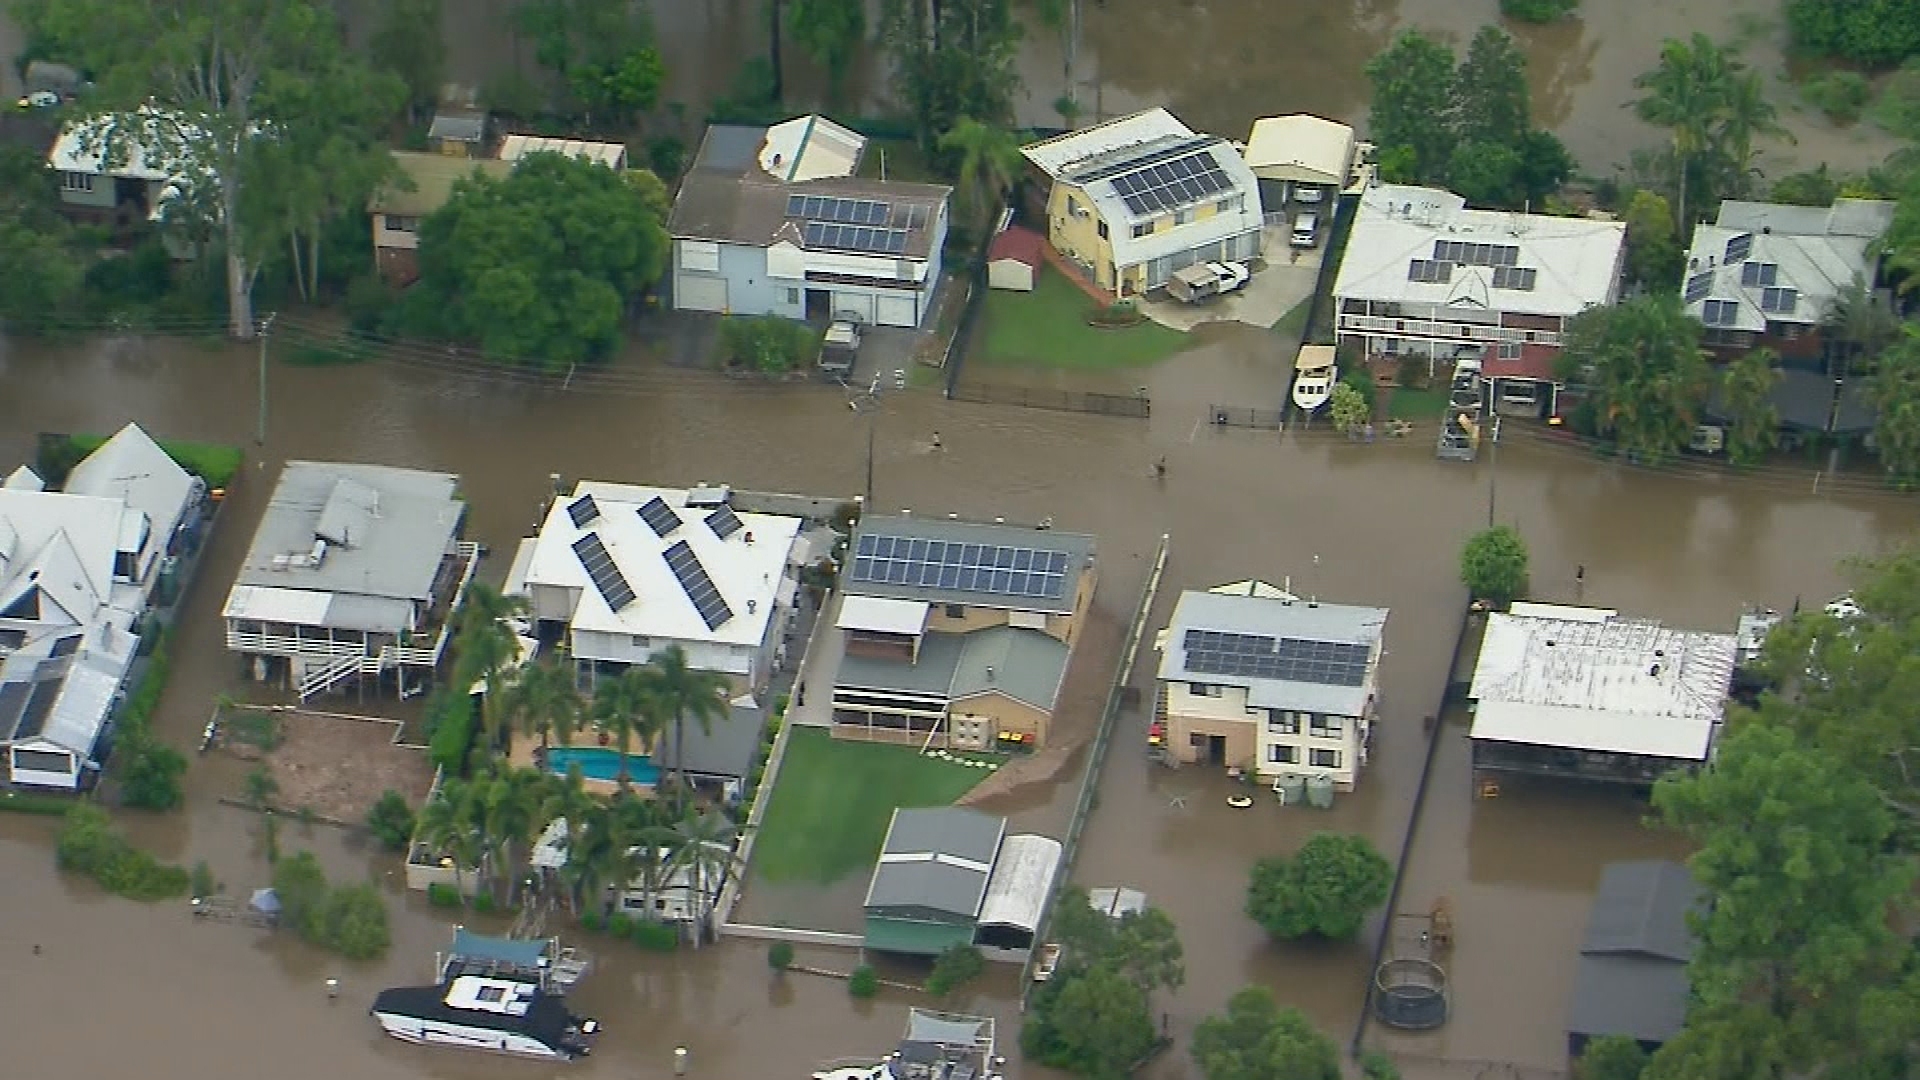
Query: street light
266, 324
868, 403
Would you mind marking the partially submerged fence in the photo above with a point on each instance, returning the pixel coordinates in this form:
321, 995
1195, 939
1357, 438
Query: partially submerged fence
1237, 417
1136, 406
1117, 699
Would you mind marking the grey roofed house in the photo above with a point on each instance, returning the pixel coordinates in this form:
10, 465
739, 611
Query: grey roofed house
936, 861
1025, 665
458, 125
1282, 621
920, 573
728, 197
1632, 979
728, 750
385, 531
1761, 264
1809, 401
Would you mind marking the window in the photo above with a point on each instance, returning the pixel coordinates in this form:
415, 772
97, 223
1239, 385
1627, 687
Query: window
1281, 722
1143, 229
1183, 217
640, 642
401, 223
1324, 727
1510, 350
1103, 230
1201, 689
1222, 206
46, 761
1324, 759
793, 296
956, 611
76, 181
1073, 206
1283, 755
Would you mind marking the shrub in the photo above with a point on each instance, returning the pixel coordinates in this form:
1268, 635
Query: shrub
1493, 565
215, 463
200, 882
865, 982
150, 777
390, 820
369, 303
1325, 890
620, 925
767, 343
780, 955
655, 936
959, 965
592, 922
21, 802
483, 902
1375, 1065
90, 845
1537, 11
443, 896
1840, 95
451, 719
348, 919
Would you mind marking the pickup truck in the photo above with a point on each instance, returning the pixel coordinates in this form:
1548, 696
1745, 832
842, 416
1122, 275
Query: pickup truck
1203, 281
839, 349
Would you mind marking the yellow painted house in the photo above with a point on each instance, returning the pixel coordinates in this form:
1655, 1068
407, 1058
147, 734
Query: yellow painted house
1135, 199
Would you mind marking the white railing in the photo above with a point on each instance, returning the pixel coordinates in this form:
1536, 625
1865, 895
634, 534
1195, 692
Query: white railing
297, 647
1438, 330
321, 680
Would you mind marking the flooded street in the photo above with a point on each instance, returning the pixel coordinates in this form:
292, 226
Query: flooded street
1374, 524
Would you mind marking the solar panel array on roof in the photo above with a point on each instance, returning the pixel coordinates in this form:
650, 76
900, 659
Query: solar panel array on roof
13, 702
839, 211
1155, 189
1257, 656
1466, 254
659, 517
66, 646
1428, 272
1519, 278
857, 238
583, 511
724, 522
606, 576
1761, 274
1739, 247
33, 720
1699, 285
1720, 313
950, 564
698, 586
1779, 301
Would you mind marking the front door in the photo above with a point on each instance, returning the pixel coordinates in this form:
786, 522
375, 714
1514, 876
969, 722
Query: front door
1216, 750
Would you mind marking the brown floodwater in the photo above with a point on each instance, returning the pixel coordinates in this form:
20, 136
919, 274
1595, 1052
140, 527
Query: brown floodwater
1369, 524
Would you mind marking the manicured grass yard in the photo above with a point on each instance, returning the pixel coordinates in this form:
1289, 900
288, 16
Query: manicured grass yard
1048, 328
1410, 404
833, 800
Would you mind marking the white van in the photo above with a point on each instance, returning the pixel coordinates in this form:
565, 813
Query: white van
1306, 230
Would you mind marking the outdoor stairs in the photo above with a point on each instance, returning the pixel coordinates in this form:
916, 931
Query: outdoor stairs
322, 679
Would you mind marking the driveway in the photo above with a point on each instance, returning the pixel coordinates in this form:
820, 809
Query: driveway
1280, 287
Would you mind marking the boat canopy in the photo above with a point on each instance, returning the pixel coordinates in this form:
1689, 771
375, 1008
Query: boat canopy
1315, 357
468, 945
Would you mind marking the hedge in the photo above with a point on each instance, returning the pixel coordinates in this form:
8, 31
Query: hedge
215, 463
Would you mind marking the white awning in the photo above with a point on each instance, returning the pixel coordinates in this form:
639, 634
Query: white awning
516, 584
1022, 879
268, 604
882, 615
1315, 357
1606, 731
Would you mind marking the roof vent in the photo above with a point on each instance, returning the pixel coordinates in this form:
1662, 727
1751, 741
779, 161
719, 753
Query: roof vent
752, 605
999, 521
1550, 643
1766, 230
1659, 652
749, 537
1654, 670
989, 673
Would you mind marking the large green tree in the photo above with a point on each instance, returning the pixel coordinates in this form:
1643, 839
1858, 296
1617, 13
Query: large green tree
988, 162
1324, 890
1872, 32
952, 58
1493, 565
408, 43
1896, 394
1655, 258
539, 267
601, 53
686, 694
830, 31
1412, 102
1491, 102
1746, 400
1647, 378
1713, 109
1095, 1023
1255, 1039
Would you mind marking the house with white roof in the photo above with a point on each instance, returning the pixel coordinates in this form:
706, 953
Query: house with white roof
1289, 153
611, 154
354, 575
1257, 680
1136, 198
77, 570
1765, 274
1584, 693
1428, 277
127, 167
620, 572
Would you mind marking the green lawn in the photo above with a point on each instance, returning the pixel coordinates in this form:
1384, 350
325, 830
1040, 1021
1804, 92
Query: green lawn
833, 799
216, 463
1048, 328
1410, 404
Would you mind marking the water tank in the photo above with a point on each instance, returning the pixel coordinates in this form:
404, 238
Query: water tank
1320, 792
1292, 788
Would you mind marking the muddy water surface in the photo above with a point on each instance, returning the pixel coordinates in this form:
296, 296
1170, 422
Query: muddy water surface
1375, 524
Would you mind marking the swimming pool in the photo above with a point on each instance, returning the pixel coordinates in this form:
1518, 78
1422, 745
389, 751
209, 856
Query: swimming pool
602, 763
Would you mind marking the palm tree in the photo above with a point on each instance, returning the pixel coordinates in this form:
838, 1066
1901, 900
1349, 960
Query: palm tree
704, 845
567, 799
1686, 94
486, 649
449, 826
685, 693
510, 802
625, 708
1746, 114
989, 164
543, 701
1857, 324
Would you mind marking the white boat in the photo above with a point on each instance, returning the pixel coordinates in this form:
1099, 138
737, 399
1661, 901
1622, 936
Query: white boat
513, 1016
937, 1046
1314, 377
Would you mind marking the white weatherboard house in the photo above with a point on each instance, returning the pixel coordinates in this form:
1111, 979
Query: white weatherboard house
623, 571
1427, 277
1769, 274
145, 172
354, 573
77, 569
772, 221
1583, 693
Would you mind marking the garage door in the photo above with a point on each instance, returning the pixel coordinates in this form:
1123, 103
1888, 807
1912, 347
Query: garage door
853, 305
897, 311
697, 292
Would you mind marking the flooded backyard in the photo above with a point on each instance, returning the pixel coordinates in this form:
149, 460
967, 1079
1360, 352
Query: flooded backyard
1377, 524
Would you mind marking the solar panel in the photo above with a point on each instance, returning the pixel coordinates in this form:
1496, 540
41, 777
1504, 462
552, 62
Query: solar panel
724, 522
698, 586
1156, 187
796, 206
856, 238
602, 570
1470, 254
1699, 285
583, 511
1428, 272
1520, 278
66, 646
1739, 247
1256, 656
1719, 313
959, 566
659, 516
1759, 274
1780, 301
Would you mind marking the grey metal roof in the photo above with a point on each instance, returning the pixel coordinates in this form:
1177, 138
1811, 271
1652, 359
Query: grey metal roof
939, 657
402, 535
458, 126
1077, 547
1631, 979
936, 859
1278, 618
728, 749
1025, 665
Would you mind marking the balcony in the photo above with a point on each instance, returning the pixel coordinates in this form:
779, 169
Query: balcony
1439, 330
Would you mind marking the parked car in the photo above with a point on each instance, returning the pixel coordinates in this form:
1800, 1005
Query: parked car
1309, 194
840, 348
1203, 281
1306, 230
1048, 962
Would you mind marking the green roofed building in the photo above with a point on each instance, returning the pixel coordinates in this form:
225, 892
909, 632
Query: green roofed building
949, 876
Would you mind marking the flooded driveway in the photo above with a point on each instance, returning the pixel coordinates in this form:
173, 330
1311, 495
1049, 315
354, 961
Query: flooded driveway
1376, 524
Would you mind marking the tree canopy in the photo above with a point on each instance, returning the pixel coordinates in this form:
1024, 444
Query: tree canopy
952, 58
1255, 1039
1746, 388
1647, 378
1325, 890
830, 31
1713, 108
1896, 394
605, 65
1878, 33
1493, 565
539, 266
1096, 1024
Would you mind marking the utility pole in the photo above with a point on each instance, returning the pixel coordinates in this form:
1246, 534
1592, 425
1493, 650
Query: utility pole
1493, 470
868, 402
266, 324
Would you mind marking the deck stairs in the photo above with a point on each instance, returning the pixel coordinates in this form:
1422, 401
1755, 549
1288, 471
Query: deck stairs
321, 679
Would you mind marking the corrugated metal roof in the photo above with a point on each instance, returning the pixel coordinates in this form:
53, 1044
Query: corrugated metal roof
1022, 880
936, 859
1817, 251
1631, 978
1277, 617
1078, 548
1301, 147
433, 177
1062, 153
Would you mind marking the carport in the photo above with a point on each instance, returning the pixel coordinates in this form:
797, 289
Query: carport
1299, 149
1017, 896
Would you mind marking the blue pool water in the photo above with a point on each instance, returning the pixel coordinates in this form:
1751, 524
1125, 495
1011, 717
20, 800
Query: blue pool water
602, 763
